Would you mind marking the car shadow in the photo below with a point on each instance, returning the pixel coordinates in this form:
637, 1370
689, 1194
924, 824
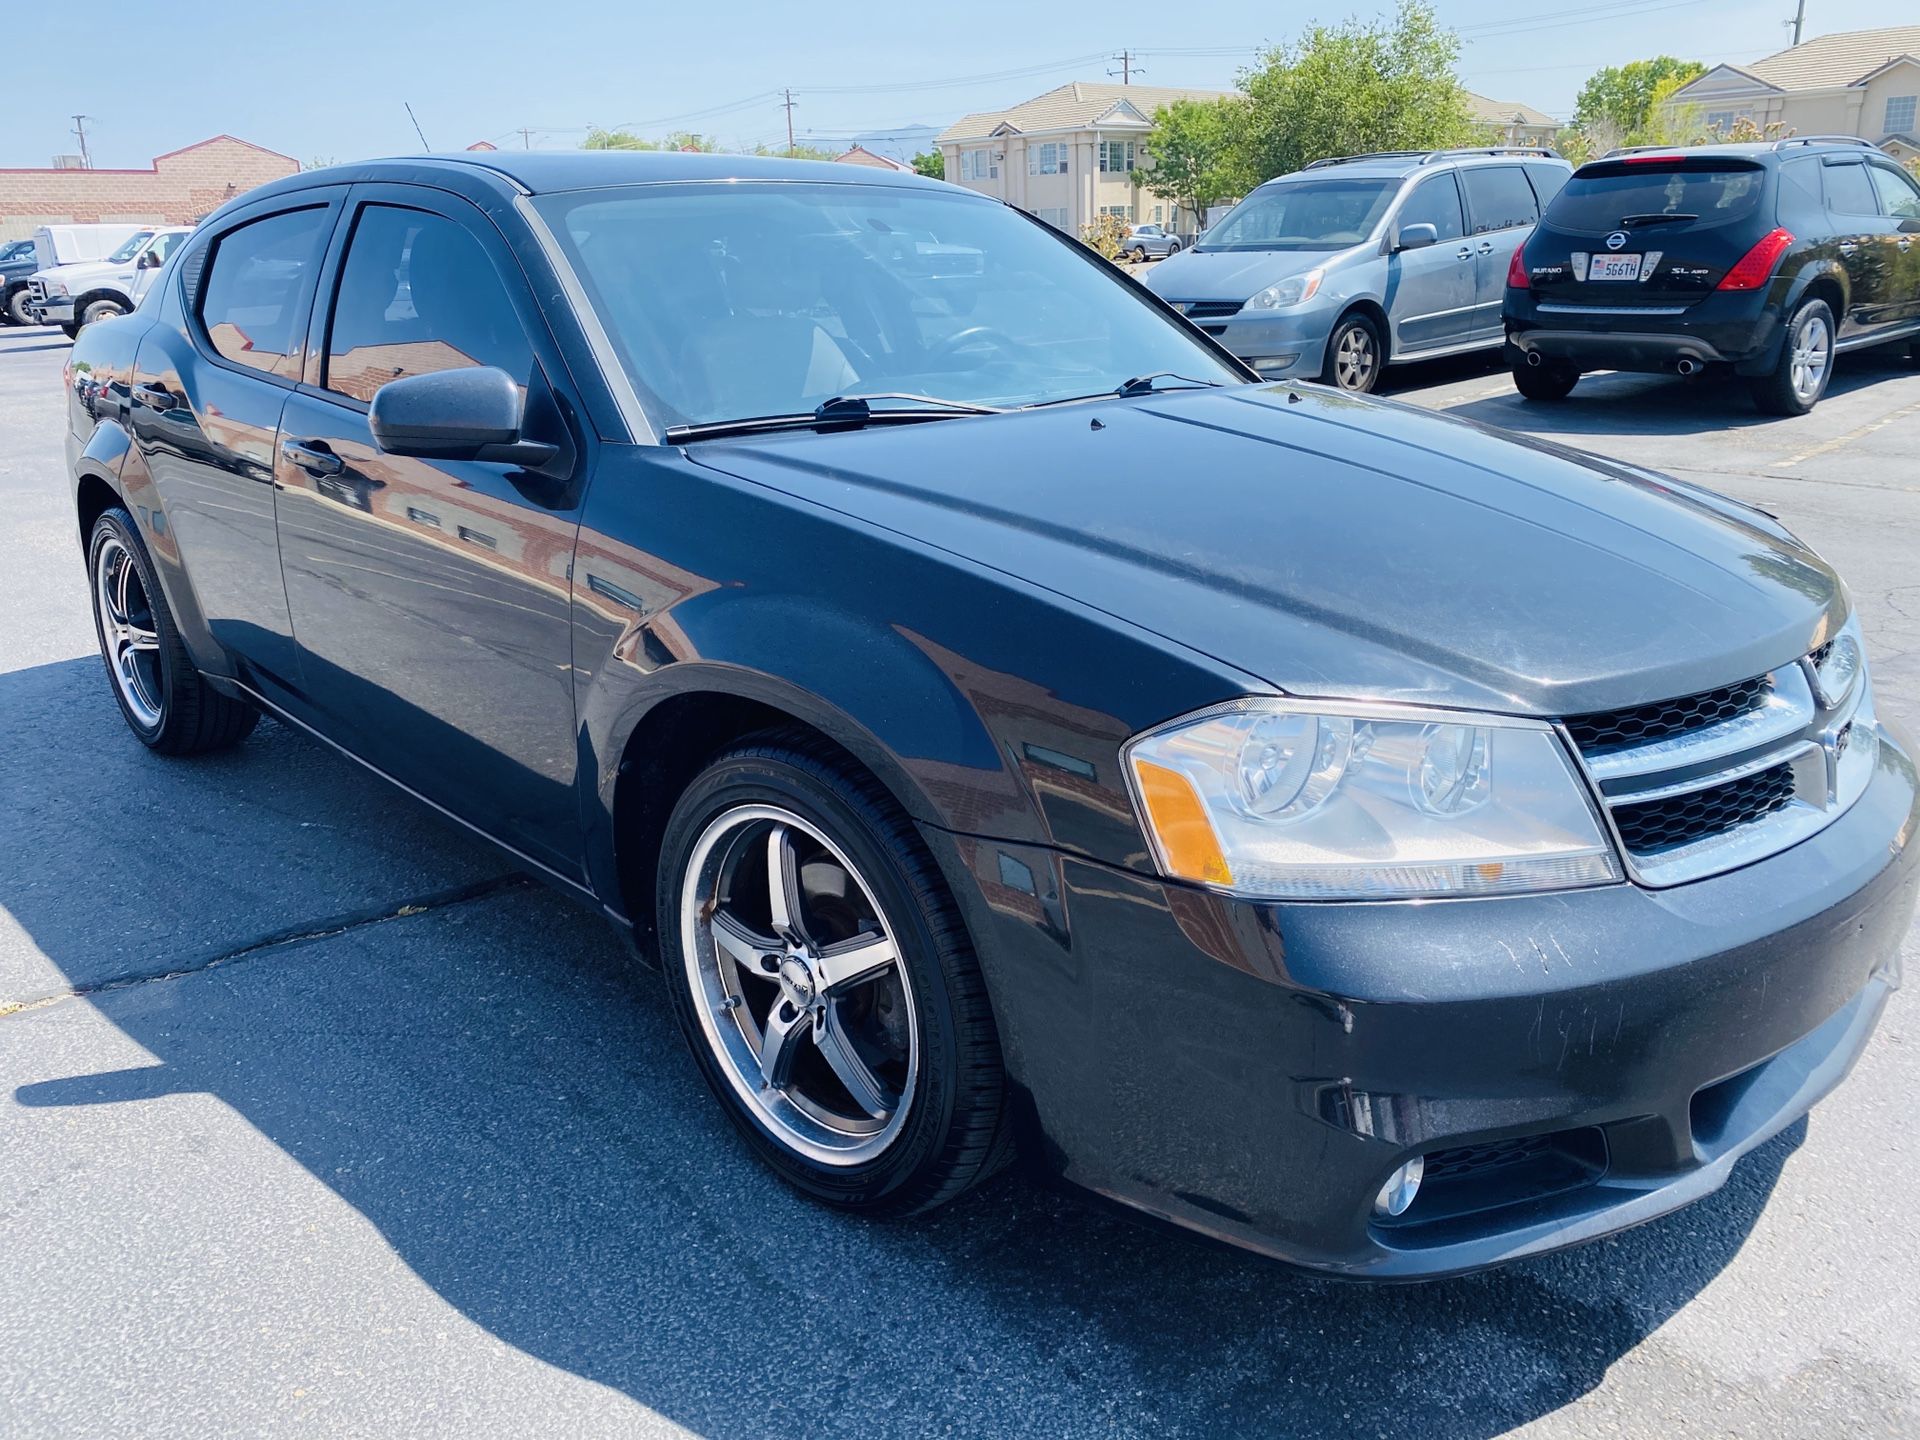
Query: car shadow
494, 1086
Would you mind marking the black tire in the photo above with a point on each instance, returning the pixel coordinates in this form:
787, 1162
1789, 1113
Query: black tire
94, 311
1779, 392
1544, 381
16, 307
956, 1130
192, 717
71, 330
1356, 355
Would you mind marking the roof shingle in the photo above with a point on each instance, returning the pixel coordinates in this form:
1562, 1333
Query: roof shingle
1072, 106
1835, 59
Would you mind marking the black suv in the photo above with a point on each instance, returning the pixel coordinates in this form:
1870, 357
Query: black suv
1768, 258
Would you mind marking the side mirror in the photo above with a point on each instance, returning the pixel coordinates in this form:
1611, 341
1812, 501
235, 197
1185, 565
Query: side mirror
1418, 237
469, 414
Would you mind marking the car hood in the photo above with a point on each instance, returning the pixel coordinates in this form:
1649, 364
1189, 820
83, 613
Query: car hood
85, 271
1328, 545
1230, 274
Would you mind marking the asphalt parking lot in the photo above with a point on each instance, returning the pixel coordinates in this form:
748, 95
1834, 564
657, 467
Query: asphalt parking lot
313, 1114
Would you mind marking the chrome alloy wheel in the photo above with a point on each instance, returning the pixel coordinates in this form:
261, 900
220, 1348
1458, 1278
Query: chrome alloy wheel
127, 632
1812, 351
1353, 358
798, 983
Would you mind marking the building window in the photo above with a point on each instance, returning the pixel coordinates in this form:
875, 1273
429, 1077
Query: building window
1158, 213
1724, 120
1047, 159
1055, 218
1900, 114
979, 165
1116, 157
1125, 212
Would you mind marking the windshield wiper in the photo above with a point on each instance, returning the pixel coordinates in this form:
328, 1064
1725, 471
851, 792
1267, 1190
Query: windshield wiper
1143, 384
841, 410
1632, 222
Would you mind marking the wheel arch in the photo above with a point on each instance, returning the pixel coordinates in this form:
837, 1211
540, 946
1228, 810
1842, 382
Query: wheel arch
1824, 280
101, 292
1371, 307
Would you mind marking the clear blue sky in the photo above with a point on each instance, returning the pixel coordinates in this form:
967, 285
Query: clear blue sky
328, 80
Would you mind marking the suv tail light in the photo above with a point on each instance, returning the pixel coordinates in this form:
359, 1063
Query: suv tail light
1755, 268
1517, 278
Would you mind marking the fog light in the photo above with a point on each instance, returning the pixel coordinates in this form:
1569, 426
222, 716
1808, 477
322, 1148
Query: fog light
1397, 1194
1265, 364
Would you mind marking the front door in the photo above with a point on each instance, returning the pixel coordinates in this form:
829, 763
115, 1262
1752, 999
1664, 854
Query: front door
1854, 208
209, 383
1430, 292
1502, 210
1900, 203
429, 597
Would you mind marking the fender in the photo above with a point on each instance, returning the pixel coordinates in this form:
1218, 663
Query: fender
1822, 269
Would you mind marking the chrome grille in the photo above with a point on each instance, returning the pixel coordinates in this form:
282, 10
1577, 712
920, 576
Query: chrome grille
38, 289
1707, 782
1207, 309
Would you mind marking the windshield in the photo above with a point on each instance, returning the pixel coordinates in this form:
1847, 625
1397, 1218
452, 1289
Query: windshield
16, 250
1599, 203
732, 301
1304, 215
132, 248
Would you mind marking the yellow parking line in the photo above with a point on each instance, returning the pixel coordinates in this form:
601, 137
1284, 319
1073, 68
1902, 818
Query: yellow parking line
1859, 433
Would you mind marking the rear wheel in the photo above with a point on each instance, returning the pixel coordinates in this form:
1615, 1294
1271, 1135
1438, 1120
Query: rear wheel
166, 701
1355, 355
826, 984
1796, 383
1544, 381
16, 306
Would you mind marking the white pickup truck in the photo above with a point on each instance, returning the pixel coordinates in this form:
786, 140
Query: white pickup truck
72, 296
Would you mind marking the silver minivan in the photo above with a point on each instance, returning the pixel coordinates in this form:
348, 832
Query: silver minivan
1338, 270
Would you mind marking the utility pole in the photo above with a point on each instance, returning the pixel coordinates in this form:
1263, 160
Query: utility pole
1799, 19
80, 129
788, 103
526, 138
1127, 67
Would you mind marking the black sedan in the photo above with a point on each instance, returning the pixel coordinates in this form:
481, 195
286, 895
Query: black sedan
1012, 729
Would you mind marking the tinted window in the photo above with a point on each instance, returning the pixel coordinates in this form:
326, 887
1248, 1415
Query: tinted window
132, 248
1435, 201
1899, 196
1304, 215
751, 299
1599, 202
1548, 181
1499, 197
1849, 191
1800, 180
418, 294
166, 245
250, 303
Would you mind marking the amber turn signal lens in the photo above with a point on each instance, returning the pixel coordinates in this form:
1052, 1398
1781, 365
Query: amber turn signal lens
1180, 823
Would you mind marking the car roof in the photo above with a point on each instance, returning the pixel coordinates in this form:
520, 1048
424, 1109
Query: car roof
1419, 162
1785, 149
537, 172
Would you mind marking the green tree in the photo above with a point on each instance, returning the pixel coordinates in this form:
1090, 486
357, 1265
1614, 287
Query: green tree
1196, 161
798, 152
1350, 88
1621, 103
598, 139
932, 164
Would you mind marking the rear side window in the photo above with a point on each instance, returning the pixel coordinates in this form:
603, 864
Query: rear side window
1435, 201
1899, 196
1694, 199
251, 300
1499, 197
418, 295
1548, 181
1849, 191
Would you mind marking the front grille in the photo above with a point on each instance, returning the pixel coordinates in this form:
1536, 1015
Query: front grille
1208, 309
38, 289
1682, 819
1484, 1159
1640, 724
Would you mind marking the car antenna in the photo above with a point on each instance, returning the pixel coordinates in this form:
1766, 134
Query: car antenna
416, 127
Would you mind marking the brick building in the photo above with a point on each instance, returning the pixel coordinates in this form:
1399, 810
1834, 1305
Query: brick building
177, 189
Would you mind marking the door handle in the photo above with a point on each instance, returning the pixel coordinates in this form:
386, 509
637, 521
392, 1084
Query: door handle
312, 456
1847, 247
1486, 247
1465, 252
1904, 242
154, 397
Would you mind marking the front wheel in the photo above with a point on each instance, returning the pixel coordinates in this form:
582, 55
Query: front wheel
166, 701
1544, 381
16, 307
1794, 385
1355, 356
825, 983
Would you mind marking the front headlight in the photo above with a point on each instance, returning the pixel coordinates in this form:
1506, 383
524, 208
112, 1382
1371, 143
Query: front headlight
57, 287
1277, 799
1294, 290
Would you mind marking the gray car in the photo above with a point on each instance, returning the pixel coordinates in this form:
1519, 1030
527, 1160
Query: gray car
1148, 242
1338, 270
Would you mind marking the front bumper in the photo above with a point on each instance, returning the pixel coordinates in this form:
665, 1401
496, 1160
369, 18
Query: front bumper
1276, 343
50, 311
1569, 1064
1742, 330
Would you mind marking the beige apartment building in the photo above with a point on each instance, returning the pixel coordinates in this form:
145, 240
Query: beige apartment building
1508, 122
1861, 82
1068, 155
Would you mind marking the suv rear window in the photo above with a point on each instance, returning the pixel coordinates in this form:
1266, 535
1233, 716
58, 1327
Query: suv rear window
1607, 199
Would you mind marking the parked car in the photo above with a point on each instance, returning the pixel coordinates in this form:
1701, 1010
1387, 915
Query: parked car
1009, 724
1148, 242
17, 264
70, 244
1765, 260
77, 295
1345, 267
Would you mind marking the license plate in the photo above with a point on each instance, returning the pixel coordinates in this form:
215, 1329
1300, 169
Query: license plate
1614, 267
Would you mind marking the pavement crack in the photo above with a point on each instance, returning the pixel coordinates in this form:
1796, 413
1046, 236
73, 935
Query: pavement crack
301, 934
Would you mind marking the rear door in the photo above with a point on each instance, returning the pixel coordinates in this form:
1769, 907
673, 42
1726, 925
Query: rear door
431, 597
1866, 241
1431, 291
1501, 210
1649, 232
210, 381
